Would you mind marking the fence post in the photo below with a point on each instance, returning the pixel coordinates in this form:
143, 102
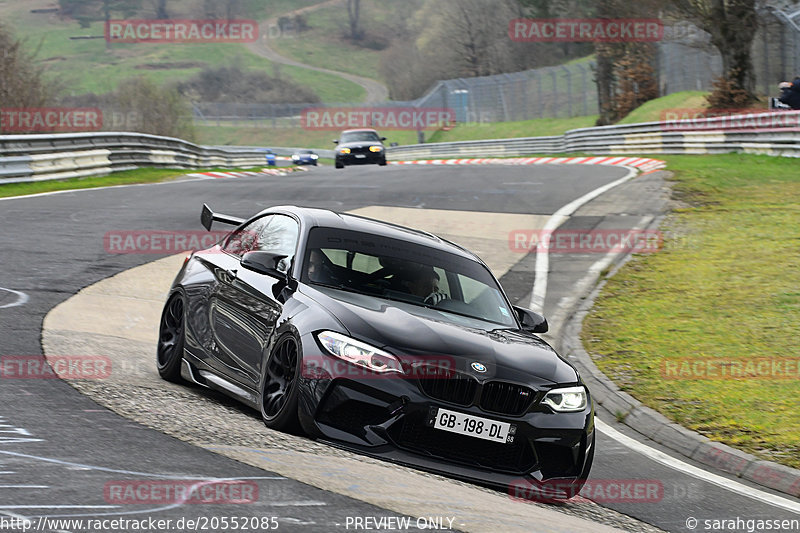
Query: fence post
569, 91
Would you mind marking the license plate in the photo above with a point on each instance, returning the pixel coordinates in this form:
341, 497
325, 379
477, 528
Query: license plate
360, 156
474, 426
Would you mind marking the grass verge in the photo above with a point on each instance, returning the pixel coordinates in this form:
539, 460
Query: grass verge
128, 177
724, 290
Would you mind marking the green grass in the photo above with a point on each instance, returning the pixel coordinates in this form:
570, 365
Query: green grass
652, 111
538, 127
725, 287
83, 66
142, 175
324, 44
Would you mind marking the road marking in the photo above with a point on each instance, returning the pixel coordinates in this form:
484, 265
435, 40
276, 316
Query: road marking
22, 298
59, 507
542, 268
704, 475
24, 487
132, 472
53, 193
296, 504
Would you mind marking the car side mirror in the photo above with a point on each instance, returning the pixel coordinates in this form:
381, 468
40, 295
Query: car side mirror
265, 263
531, 321
383, 139
335, 141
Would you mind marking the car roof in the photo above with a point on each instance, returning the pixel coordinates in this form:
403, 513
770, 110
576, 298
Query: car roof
360, 130
315, 217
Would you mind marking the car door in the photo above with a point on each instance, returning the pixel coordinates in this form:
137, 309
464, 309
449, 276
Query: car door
244, 307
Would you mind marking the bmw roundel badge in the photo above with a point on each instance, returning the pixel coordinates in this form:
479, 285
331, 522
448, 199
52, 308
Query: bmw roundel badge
478, 367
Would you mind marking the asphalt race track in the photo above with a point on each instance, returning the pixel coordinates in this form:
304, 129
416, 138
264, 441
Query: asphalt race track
59, 449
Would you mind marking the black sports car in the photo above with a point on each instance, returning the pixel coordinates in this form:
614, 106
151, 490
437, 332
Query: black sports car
381, 339
360, 147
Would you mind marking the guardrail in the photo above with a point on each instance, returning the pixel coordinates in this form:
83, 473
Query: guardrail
44, 157
772, 133
25, 158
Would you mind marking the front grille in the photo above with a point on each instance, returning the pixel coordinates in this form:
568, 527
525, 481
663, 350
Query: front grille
360, 150
455, 388
414, 435
506, 398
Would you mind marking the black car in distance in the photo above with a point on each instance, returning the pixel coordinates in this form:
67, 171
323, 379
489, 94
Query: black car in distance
360, 147
381, 339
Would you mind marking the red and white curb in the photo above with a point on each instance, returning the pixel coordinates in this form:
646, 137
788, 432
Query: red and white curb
262, 172
642, 163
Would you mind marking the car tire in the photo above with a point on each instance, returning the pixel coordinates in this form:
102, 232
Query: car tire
280, 390
382, 162
171, 339
339, 164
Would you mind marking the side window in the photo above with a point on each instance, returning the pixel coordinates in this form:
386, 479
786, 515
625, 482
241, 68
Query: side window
245, 239
272, 233
280, 237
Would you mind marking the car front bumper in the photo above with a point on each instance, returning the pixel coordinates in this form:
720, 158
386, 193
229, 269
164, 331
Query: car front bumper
390, 418
369, 158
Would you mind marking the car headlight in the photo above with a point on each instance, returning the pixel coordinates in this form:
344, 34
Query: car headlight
314, 156
375, 149
567, 399
344, 151
295, 157
359, 353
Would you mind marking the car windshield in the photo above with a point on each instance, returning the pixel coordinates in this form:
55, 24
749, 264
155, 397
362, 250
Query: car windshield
360, 136
402, 271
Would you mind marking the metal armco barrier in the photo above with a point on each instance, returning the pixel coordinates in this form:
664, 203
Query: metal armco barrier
26, 158
773, 133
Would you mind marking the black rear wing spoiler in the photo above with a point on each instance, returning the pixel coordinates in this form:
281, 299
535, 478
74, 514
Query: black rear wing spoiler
207, 217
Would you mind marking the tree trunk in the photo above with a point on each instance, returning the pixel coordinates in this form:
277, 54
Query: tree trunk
604, 75
353, 15
161, 10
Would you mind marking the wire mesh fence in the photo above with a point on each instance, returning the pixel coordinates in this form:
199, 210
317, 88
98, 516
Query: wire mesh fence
685, 61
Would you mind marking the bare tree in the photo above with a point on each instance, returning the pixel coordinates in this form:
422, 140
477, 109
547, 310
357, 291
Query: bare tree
161, 111
469, 37
161, 10
353, 16
22, 83
732, 25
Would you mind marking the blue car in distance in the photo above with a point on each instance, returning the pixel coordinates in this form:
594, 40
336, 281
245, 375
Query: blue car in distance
271, 157
305, 157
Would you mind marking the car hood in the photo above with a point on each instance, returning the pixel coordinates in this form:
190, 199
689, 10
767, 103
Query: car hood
402, 329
